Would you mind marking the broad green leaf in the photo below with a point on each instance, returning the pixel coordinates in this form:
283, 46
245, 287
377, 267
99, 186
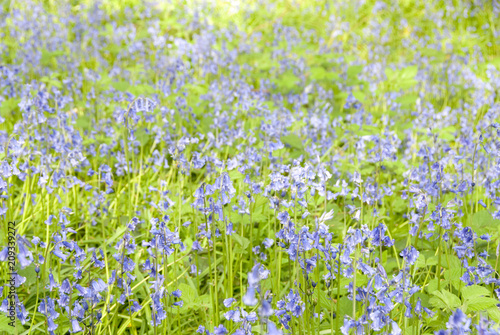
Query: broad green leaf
317, 73
235, 175
437, 303
6, 325
243, 241
483, 222
142, 89
474, 291
433, 260
49, 57
83, 122
202, 301
259, 217
8, 105
453, 274
420, 261
353, 71
29, 273
287, 82
189, 294
293, 140
407, 100
494, 313
445, 298
448, 133
480, 303
120, 85
239, 250
345, 307
142, 137
321, 297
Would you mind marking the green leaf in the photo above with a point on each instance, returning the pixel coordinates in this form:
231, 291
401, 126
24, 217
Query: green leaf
49, 57
483, 222
445, 298
8, 105
453, 274
403, 77
235, 175
433, 260
407, 101
120, 85
494, 313
321, 297
293, 140
142, 137
6, 325
287, 82
345, 307
353, 72
239, 250
399, 205
243, 241
317, 73
143, 89
29, 273
51, 82
474, 291
480, 304
83, 122
408, 72
448, 133
189, 294
202, 301
437, 303
420, 261
104, 82
259, 217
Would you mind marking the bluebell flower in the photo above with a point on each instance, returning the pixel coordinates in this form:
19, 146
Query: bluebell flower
249, 298
99, 285
351, 324
228, 302
268, 242
4, 307
272, 330
290, 305
4, 254
410, 254
395, 328
136, 307
51, 325
233, 315
52, 284
265, 309
220, 330
459, 323
21, 312
75, 326
485, 237
177, 293
24, 256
